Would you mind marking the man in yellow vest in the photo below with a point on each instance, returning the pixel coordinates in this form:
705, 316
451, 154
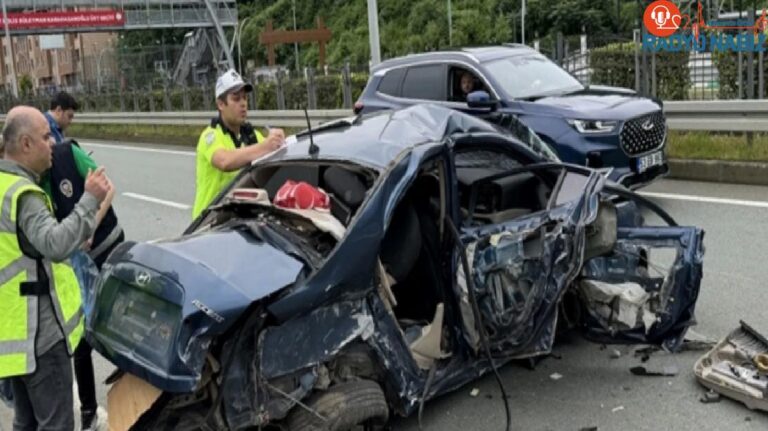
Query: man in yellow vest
226, 146
41, 318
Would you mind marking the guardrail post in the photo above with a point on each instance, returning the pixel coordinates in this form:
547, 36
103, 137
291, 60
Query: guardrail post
280, 91
739, 72
636, 39
206, 98
653, 74
252, 97
121, 94
135, 101
750, 75
346, 86
167, 99
185, 97
311, 90
760, 75
151, 100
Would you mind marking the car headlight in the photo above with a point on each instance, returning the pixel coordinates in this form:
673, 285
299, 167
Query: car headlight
593, 126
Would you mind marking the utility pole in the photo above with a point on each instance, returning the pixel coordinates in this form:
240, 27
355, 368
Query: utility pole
450, 25
522, 22
373, 32
14, 84
295, 44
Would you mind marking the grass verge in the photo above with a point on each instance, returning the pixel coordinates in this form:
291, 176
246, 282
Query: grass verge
169, 135
718, 146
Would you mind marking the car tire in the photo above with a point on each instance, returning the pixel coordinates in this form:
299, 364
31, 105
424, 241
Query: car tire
344, 407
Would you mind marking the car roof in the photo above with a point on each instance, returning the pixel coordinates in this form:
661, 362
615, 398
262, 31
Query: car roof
476, 55
375, 140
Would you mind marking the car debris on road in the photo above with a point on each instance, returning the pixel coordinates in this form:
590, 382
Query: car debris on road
736, 367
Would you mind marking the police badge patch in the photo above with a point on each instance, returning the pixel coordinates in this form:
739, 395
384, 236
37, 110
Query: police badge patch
210, 137
66, 188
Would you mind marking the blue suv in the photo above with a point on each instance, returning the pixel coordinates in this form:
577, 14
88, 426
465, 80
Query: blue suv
600, 127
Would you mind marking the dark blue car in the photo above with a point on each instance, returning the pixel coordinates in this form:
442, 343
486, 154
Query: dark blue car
450, 248
598, 127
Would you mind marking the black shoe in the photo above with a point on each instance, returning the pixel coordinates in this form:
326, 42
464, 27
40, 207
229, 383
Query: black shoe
88, 420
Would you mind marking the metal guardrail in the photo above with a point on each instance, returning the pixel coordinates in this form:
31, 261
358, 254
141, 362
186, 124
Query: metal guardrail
711, 116
718, 115
203, 118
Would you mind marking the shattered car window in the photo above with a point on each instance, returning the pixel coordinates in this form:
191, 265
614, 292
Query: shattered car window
490, 160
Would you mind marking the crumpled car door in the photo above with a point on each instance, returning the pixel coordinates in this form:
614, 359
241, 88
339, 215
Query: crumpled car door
520, 267
644, 290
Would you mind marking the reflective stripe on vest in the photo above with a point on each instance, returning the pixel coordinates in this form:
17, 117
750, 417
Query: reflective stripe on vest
18, 325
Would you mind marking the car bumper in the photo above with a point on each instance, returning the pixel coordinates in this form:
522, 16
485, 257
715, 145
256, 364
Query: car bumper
633, 180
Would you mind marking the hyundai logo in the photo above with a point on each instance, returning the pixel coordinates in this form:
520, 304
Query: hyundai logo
647, 125
143, 278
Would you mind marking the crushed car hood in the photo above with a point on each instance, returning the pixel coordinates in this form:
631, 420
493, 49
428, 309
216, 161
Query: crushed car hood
161, 303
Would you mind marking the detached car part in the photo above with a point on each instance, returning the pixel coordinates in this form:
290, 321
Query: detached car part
735, 367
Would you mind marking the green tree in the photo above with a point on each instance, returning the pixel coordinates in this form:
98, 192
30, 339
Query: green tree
25, 85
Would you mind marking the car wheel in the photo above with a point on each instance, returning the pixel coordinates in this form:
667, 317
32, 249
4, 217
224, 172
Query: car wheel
344, 406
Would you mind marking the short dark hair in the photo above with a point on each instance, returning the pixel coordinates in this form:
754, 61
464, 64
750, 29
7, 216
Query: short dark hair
64, 101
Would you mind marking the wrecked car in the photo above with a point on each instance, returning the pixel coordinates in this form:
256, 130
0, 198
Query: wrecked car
450, 248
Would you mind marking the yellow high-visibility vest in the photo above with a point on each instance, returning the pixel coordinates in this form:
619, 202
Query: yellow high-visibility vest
19, 313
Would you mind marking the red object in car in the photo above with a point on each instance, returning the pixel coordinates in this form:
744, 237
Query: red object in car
302, 196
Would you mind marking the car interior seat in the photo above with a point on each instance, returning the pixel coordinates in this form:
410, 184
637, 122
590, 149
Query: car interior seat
347, 192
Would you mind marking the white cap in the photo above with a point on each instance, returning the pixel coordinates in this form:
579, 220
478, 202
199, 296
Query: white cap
231, 81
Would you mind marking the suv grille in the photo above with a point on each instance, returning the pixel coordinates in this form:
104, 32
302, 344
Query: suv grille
643, 134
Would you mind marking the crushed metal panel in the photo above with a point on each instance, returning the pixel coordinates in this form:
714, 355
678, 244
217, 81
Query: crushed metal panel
519, 277
672, 285
128, 399
314, 338
624, 304
735, 368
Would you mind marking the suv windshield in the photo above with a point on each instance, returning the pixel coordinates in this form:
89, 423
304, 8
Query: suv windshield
526, 76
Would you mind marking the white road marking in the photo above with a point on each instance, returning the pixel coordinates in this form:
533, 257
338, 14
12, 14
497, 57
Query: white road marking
705, 199
156, 200
138, 148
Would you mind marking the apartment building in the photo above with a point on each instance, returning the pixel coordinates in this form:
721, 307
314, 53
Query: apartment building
83, 59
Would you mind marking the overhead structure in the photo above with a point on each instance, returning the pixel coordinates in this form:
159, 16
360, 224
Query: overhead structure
208, 19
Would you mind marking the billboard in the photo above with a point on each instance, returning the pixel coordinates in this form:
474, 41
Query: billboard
63, 19
53, 41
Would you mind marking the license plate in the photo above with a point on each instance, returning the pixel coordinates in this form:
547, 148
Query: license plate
649, 161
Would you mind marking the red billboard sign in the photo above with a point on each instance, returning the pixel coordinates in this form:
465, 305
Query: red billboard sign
63, 19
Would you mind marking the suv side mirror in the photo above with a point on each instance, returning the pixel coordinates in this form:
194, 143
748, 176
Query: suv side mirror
481, 99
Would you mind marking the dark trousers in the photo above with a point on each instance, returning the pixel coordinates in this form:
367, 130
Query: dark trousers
86, 384
43, 400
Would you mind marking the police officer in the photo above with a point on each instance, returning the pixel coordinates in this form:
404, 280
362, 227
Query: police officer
64, 183
63, 107
40, 308
226, 145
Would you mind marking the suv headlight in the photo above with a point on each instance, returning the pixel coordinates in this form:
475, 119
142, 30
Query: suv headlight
593, 126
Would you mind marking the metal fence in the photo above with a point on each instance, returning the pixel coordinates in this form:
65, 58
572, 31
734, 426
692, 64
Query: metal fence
277, 89
708, 75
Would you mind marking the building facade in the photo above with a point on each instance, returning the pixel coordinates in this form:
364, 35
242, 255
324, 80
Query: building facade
76, 62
